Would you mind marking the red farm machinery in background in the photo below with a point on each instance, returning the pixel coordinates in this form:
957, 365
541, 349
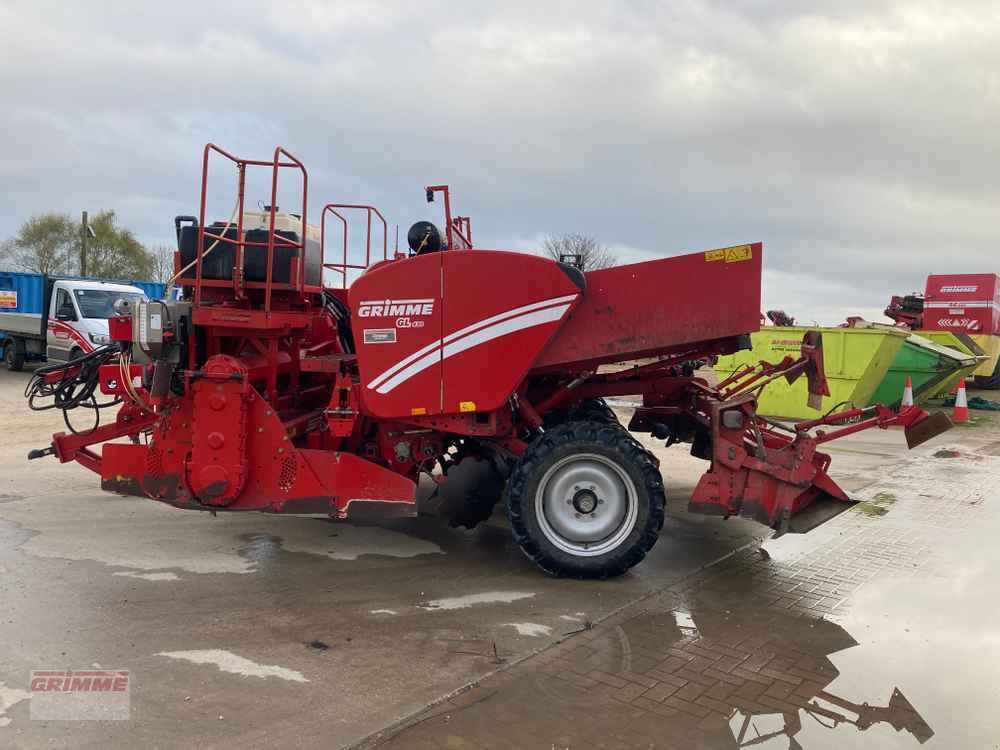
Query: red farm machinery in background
263, 388
966, 305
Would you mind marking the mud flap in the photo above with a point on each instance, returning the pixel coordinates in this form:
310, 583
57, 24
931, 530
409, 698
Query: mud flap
360, 487
923, 430
824, 508
829, 502
118, 468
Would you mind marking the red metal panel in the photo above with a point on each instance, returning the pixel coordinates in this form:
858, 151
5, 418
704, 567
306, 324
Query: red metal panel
396, 319
120, 328
500, 310
654, 307
968, 302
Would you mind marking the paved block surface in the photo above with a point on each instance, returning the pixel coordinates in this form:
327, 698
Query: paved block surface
825, 640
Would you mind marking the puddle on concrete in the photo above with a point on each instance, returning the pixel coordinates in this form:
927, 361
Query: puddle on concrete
707, 678
163, 576
261, 547
470, 600
151, 538
935, 636
227, 661
352, 542
10, 697
945, 453
531, 629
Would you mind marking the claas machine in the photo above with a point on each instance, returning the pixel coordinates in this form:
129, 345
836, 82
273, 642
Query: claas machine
262, 388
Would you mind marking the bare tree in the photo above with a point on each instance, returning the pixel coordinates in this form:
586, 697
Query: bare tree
592, 253
163, 262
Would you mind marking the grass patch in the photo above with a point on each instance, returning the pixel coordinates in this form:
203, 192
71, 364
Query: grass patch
877, 506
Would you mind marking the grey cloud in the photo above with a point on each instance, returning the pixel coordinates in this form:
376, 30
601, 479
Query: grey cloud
858, 140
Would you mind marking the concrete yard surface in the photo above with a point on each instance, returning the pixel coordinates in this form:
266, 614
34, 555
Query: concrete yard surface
255, 629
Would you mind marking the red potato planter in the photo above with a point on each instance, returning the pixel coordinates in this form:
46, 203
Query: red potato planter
260, 389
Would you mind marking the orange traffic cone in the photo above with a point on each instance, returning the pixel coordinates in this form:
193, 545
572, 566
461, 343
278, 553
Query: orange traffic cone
961, 413
907, 393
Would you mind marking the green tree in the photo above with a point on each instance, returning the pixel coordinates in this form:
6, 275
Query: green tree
46, 243
115, 253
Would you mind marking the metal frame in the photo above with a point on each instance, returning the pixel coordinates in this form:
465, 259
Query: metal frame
458, 226
282, 159
343, 267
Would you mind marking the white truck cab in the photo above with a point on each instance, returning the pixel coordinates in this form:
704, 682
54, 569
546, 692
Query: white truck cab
78, 315
43, 318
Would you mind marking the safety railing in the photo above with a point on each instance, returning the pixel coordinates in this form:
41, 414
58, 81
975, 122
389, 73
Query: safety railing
239, 244
345, 265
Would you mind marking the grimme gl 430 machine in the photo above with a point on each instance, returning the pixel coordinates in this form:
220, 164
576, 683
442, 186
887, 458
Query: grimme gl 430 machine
263, 389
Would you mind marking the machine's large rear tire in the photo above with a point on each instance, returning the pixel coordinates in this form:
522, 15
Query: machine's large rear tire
473, 487
591, 409
989, 382
586, 500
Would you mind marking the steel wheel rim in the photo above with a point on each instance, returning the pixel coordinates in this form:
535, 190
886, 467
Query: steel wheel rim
586, 504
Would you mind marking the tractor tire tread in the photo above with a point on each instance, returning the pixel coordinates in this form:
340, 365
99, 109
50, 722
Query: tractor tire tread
519, 500
591, 409
475, 504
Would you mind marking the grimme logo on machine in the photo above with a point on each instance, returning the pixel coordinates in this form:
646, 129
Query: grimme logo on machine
404, 310
954, 288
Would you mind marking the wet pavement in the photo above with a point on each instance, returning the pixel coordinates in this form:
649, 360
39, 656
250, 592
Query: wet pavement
250, 628
878, 630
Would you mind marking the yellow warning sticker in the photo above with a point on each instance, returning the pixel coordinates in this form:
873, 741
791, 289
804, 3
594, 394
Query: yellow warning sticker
466, 405
733, 254
738, 253
418, 411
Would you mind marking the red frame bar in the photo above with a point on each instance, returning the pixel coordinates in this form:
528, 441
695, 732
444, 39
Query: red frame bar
458, 225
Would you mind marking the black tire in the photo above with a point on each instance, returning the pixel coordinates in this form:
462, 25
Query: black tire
472, 489
13, 356
588, 410
584, 447
989, 382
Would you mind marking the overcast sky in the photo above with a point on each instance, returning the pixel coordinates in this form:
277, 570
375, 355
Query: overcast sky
858, 139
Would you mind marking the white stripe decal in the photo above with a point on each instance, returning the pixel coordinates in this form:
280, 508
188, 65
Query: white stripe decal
502, 328
380, 378
71, 332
